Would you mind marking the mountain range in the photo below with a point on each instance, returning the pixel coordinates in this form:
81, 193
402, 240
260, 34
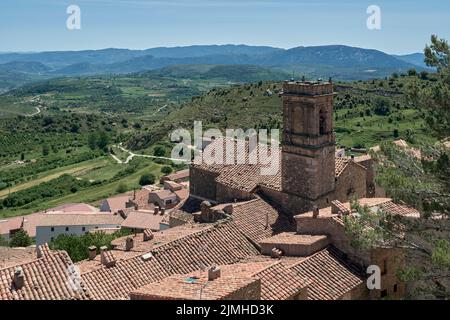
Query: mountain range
344, 62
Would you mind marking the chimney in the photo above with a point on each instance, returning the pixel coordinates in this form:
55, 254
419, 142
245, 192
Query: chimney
213, 273
228, 209
156, 210
276, 253
19, 278
129, 244
148, 235
107, 257
163, 210
352, 157
315, 211
38, 252
92, 252
204, 214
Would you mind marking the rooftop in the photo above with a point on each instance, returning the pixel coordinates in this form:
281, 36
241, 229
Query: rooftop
142, 219
45, 278
74, 219
331, 274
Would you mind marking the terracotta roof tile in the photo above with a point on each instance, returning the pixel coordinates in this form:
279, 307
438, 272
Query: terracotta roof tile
195, 247
248, 176
14, 256
45, 278
140, 219
331, 274
257, 219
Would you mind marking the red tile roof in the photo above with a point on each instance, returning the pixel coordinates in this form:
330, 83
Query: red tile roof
117, 203
14, 256
193, 287
219, 243
247, 176
331, 274
257, 219
142, 219
46, 278
280, 283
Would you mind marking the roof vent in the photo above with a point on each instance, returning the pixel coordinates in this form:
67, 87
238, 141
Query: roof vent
19, 278
213, 273
129, 244
107, 257
92, 252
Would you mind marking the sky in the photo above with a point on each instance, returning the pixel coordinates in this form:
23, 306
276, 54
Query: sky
40, 25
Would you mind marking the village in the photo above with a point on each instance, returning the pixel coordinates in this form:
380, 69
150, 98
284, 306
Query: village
224, 231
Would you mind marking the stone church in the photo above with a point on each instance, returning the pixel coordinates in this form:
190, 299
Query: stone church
310, 174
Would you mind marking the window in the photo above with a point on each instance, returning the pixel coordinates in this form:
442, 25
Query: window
384, 267
168, 201
322, 122
51, 239
84, 229
395, 288
384, 293
67, 228
52, 229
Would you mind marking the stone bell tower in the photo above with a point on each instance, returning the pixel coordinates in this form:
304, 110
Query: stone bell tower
308, 148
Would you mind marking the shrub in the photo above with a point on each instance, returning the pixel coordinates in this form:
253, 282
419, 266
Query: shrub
20, 239
166, 170
146, 179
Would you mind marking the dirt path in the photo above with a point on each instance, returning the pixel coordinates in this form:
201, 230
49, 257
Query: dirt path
131, 155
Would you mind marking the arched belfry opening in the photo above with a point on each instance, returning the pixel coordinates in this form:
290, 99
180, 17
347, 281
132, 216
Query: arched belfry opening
322, 122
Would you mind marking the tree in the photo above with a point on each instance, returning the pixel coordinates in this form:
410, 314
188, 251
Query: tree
45, 150
435, 96
92, 141
146, 179
20, 239
103, 141
77, 246
395, 133
159, 151
166, 170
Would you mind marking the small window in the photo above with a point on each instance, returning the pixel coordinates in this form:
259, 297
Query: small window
52, 229
395, 287
84, 229
67, 228
384, 293
384, 267
51, 239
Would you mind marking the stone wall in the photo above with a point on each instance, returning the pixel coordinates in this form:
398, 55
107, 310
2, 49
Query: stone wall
202, 183
351, 183
226, 194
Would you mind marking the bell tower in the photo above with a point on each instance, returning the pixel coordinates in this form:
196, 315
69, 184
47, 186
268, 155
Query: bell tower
308, 148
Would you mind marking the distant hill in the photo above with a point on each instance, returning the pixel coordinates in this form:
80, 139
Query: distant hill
413, 58
25, 66
233, 73
337, 61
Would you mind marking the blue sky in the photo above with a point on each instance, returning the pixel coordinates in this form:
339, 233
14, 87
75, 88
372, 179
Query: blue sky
40, 25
